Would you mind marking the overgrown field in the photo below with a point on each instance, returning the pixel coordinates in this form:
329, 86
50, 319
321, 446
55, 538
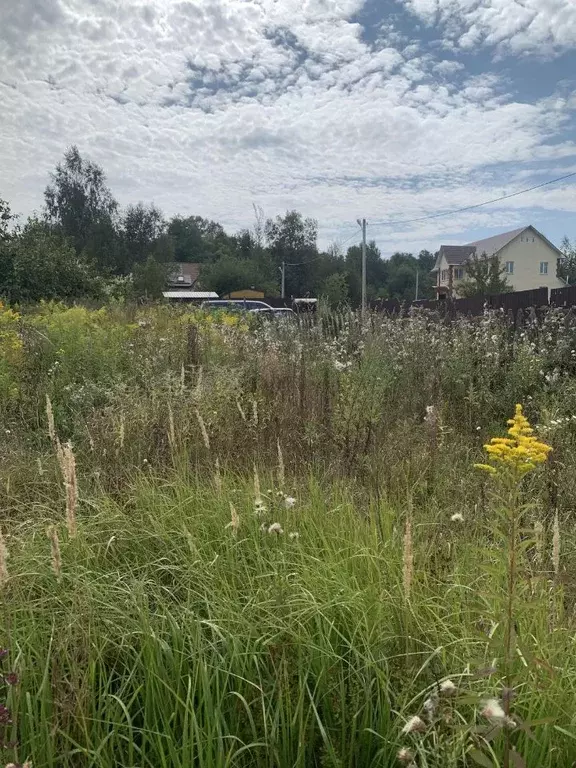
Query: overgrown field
227, 543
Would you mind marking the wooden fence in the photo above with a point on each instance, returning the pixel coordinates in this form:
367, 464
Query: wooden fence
475, 305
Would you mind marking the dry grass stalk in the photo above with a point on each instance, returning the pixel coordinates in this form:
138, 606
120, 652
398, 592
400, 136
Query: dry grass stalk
53, 434
281, 471
182, 378
3, 560
241, 410
52, 534
217, 477
70, 483
255, 412
234, 523
199, 385
556, 546
171, 428
408, 558
203, 430
257, 491
539, 542
122, 430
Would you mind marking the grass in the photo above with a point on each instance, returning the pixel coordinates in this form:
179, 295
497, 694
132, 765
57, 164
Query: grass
159, 635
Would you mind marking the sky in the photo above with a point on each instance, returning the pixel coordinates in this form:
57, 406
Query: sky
341, 109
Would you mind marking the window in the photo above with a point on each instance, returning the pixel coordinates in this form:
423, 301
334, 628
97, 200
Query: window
509, 268
444, 275
543, 267
458, 273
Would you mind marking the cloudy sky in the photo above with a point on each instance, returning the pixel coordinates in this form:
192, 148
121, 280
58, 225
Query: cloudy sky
388, 109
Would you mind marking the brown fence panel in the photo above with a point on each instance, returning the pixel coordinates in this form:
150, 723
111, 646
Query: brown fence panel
519, 300
563, 297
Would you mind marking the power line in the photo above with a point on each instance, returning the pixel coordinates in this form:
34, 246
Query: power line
470, 207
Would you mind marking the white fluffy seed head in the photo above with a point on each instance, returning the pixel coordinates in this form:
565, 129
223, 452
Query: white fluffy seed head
492, 710
447, 688
275, 528
457, 518
414, 725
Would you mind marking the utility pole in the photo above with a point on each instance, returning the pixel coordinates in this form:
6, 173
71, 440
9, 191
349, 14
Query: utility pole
283, 284
363, 306
417, 276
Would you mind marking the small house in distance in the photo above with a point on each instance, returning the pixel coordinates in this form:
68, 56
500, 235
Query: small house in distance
529, 259
183, 275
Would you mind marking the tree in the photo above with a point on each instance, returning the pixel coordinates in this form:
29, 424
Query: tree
335, 290
376, 272
6, 216
42, 264
230, 274
144, 234
150, 278
567, 266
485, 276
292, 239
199, 240
78, 199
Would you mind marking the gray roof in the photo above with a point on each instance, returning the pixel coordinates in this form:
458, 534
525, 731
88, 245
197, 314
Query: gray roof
491, 245
456, 254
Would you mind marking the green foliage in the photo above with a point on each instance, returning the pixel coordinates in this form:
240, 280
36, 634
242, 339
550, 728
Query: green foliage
41, 264
484, 277
567, 266
229, 274
335, 290
149, 278
168, 637
144, 235
78, 199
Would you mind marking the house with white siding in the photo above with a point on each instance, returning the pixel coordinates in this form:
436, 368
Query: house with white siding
529, 259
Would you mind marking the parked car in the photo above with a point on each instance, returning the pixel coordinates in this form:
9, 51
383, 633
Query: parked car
238, 305
285, 312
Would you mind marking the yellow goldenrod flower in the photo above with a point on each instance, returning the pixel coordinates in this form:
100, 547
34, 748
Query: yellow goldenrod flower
521, 452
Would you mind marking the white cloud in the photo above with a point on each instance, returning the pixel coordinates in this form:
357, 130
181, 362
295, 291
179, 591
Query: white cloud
543, 27
206, 107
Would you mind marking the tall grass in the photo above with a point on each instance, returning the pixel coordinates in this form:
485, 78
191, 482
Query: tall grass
179, 627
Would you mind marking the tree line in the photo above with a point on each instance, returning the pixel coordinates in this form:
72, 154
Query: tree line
82, 244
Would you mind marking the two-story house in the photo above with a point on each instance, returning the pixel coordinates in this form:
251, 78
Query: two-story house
528, 258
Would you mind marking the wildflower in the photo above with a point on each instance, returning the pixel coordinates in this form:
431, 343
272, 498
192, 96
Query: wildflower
447, 688
414, 725
405, 755
430, 706
520, 452
259, 507
5, 715
11, 678
289, 502
457, 518
492, 710
294, 535
3, 653
276, 528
